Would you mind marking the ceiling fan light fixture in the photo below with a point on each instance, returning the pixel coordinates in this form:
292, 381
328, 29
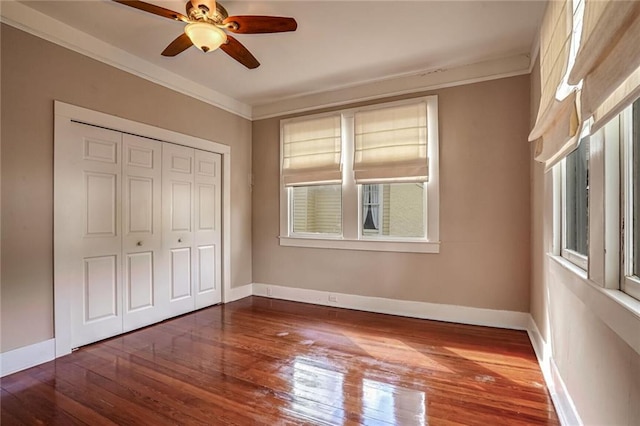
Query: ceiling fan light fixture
205, 36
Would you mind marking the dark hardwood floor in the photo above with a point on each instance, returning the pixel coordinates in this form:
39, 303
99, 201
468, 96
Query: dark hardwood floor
263, 361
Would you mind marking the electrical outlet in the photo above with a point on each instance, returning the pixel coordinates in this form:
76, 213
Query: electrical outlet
333, 298
268, 291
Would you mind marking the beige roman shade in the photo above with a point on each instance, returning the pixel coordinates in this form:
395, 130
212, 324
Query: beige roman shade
608, 58
391, 144
558, 121
311, 151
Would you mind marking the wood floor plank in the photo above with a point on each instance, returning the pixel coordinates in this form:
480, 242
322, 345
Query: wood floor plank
264, 361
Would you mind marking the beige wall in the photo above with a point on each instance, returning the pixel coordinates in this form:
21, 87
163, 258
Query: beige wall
34, 74
537, 307
484, 213
601, 372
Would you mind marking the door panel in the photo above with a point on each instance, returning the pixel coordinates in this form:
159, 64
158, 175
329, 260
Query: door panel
181, 206
100, 150
100, 288
181, 160
207, 233
140, 156
206, 207
100, 204
88, 238
207, 263
180, 273
146, 299
177, 220
140, 200
139, 281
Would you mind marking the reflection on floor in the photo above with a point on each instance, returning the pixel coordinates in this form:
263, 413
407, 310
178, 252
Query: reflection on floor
263, 361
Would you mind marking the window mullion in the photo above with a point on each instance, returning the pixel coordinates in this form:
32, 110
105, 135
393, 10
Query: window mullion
611, 201
350, 204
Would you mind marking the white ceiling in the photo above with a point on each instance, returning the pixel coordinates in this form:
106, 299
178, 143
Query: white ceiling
337, 44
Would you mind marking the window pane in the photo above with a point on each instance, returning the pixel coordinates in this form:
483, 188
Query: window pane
636, 188
317, 209
393, 210
577, 199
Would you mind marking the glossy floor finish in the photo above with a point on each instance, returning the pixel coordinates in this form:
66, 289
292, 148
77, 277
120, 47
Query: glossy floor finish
263, 361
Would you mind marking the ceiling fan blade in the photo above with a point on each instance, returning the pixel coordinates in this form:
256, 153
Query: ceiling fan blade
261, 24
179, 45
237, 51
151, 8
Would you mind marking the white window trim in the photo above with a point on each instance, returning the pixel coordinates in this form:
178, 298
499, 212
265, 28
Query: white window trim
580, 260
629, 283
351, 238
572, 256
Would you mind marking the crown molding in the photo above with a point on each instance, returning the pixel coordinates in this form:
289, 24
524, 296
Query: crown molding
535, 50
397, 85
36, 23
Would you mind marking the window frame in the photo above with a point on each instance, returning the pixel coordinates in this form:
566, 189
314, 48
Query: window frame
380, 237
352, 237
292, 218
629, 283
578, 259
599, 286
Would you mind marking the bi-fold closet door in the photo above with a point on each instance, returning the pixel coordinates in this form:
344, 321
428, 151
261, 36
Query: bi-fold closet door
141, 230
191, 227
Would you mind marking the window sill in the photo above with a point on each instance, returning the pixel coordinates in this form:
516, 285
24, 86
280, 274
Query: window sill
579, 260
618, 310
366, 245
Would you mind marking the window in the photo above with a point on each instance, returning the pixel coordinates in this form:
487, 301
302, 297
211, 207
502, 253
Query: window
630, 123
393, 210
316, 209
575, 214
363, 178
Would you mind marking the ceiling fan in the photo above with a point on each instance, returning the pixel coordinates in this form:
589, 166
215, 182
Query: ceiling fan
207, 25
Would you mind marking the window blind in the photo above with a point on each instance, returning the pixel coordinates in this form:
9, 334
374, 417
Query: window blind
608, 58
558, 120
311, 151
391, 144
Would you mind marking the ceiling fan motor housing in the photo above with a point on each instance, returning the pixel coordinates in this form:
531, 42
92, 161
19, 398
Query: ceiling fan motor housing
206, 10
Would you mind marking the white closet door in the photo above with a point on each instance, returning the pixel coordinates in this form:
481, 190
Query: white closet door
88, 240
177, 223
145, 285
207, 259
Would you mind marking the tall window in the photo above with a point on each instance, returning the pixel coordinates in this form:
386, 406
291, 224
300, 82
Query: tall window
311, 172
364, 178
575, 245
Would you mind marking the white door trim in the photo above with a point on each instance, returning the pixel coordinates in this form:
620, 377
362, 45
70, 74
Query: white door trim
64, 114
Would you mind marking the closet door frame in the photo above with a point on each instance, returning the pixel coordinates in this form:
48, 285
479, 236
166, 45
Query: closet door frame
65, 114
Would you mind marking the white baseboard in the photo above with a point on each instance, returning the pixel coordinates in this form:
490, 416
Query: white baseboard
405, 308
567, 413
237, 293
27, 357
